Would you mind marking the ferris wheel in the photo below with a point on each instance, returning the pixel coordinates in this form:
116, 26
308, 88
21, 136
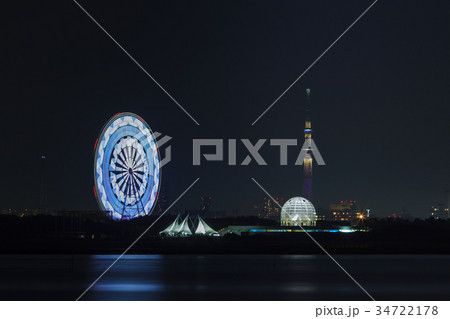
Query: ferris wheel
126, 167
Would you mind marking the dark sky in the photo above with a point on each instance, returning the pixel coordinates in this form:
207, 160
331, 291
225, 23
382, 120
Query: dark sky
380, 96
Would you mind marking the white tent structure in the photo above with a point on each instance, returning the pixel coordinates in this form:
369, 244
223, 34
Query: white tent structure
181, 228
184, 229
173, 228
204, 229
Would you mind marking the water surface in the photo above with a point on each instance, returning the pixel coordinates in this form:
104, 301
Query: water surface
224, 277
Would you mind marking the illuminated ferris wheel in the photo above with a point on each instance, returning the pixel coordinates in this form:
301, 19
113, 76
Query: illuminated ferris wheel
126, 167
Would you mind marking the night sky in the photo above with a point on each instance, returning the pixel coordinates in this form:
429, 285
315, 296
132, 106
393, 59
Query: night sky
380, 96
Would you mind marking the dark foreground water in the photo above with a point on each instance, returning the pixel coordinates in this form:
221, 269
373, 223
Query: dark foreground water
224, 277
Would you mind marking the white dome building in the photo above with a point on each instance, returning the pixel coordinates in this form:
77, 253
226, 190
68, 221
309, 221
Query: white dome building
298, 211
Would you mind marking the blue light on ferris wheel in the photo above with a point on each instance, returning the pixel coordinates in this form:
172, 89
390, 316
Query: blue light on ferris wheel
126, 167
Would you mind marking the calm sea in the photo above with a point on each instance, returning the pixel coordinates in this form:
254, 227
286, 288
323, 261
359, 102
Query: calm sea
225, 277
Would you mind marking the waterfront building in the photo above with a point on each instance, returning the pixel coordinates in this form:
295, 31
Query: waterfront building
298, 211
345, 210
439, 211
271, 208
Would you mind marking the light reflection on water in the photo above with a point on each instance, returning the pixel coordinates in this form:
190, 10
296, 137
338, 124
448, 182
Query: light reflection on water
223, 277
129, 287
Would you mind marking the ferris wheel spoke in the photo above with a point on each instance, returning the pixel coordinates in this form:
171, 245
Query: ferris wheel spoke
134, 156
121, 178
129, 163
140, 182
123, 155
138, 188
122, 187
123, 183
138, 160
126, 156
138, 178
134, 187
127, 189
130, 156
118, 172
122, 163
137, 185
135, 153
131, 188
130, 152
135, 179
120, 166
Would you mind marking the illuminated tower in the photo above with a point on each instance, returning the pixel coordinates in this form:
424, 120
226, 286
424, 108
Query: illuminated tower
307, 163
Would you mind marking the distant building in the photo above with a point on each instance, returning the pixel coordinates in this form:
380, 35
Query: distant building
88, 215
74, 224
344, 210
439, 212
161, 204
321, 217
205, 203
324, 214
361, 218
271, 210
20, 212
395, 216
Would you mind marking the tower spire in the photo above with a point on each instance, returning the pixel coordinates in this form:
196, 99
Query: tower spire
307, 163
308, 104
